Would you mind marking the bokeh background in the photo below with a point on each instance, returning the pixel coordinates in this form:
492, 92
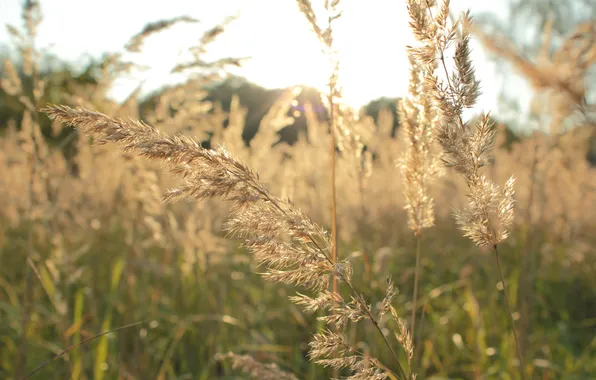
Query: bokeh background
86, 245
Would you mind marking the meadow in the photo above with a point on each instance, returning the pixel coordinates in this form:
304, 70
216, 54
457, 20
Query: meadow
158, 243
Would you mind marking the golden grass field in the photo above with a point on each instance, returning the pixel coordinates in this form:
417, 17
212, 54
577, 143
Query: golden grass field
446, 250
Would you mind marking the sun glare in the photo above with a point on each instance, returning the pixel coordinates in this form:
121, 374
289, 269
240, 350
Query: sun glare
370, 38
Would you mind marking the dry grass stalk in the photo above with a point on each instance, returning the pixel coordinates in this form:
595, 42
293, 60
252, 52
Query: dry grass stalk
418, 166
355, 136
560, 79
135, 43
294, 249
33, 142
332, 343
333, 97
210, 67
466, 148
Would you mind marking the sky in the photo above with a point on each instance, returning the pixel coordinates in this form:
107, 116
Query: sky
371, 40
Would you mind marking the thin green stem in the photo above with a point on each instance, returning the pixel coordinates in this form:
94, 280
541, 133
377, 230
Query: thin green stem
522, 370
416, 280
65, 351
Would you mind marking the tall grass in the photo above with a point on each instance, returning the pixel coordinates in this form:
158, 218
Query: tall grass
96, 250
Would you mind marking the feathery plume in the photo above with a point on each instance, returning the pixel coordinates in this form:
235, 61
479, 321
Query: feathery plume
466, 148
293, 249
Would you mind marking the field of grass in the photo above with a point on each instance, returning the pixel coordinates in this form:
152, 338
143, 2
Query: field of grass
101, 279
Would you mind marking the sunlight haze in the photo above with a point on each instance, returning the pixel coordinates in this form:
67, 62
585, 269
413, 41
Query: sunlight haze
273, 33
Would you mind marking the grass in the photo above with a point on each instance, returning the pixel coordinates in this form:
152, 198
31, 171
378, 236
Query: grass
99, 279
229, 308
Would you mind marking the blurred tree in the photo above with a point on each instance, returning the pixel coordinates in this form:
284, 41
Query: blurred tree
258, 100
373, 108
526, 20
536, 29
525, 24
61, 81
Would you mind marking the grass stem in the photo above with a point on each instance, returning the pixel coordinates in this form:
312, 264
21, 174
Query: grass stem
522, 366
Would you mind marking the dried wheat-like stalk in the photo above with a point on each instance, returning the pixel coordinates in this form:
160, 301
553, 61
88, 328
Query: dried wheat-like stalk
466, 147
331, 343
325, 35
198, 51
560, 79
29, 94
418, 165
294, 249
136, 41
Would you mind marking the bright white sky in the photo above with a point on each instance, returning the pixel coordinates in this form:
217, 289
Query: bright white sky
371, 39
